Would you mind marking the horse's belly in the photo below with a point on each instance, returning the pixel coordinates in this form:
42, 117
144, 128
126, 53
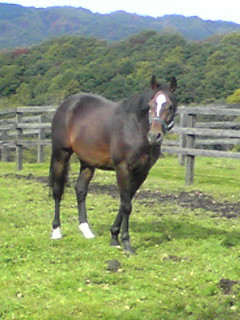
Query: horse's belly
97, 156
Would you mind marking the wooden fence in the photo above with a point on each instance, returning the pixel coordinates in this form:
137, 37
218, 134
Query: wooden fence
25, 127
220, 132
28, 127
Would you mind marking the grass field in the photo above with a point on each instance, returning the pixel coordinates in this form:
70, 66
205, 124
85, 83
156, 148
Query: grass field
187, 264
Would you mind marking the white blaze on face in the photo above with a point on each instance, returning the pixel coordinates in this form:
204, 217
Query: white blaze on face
161, 99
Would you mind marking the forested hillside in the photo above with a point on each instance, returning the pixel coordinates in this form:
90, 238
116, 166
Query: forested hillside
46, 74
24, 26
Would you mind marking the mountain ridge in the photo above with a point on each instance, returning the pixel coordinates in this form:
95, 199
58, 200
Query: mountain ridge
22, 26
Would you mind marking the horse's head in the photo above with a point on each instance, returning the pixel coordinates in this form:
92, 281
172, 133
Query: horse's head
163, 107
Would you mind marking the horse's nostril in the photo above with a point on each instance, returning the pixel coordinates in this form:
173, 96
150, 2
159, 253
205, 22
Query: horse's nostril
154, 138
159, 136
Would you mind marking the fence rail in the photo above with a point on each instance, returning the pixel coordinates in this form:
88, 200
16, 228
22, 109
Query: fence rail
25, 127
189, 130
29, 127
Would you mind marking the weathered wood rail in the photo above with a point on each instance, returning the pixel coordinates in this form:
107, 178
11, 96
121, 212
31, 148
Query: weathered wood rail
189, 130
19, 129
29, 127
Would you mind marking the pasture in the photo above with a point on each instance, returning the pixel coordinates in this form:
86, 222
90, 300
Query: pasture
187, 240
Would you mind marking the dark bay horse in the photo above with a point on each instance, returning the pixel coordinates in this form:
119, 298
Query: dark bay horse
123, 136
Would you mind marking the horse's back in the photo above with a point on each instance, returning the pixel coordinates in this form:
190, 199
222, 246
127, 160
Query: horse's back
78, 106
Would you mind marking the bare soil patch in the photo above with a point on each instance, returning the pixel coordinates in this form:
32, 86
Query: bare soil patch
193, 200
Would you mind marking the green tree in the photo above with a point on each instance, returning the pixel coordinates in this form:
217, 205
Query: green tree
23, 96
235, 97
46, 74
9, 79
71, 88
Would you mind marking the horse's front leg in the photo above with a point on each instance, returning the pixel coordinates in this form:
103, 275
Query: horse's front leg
126, 209
129, 183
122, 219
85, 176
115, 229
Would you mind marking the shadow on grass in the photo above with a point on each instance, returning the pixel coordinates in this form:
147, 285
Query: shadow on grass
152, 234
156, 233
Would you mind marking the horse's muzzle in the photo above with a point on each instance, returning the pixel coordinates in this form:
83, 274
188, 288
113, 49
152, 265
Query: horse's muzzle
154, 138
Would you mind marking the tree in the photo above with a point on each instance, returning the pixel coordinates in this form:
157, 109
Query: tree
9, 79
235, 97
23, 95
48, 73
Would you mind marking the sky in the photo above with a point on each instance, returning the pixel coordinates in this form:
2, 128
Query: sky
206, 9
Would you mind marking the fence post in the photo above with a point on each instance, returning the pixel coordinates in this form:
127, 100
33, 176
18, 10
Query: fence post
190, 143
19, 136
41, 136
5, 152
5, 149
182, 138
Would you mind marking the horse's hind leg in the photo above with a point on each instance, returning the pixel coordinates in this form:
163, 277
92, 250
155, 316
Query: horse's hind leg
58, 177
85, 176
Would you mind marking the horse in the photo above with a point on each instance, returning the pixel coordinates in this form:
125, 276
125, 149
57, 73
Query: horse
124, 136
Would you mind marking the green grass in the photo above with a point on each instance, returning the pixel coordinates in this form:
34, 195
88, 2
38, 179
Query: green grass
182, 254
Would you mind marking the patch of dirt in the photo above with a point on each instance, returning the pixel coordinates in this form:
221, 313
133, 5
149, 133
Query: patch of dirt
113, 265
193, 200
174, 258
30, 176
226, 285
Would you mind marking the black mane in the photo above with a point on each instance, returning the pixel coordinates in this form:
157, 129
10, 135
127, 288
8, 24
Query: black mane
136, 103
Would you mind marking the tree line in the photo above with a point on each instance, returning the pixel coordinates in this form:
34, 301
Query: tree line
206, 71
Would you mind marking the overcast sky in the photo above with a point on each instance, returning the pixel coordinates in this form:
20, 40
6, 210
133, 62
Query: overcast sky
206, 9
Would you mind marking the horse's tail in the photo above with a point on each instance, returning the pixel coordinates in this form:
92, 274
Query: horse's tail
58, 173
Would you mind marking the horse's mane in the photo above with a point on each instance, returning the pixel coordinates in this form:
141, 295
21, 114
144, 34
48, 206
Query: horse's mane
136, 102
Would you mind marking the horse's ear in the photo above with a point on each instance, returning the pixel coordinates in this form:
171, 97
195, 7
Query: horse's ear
173, 84
154, 83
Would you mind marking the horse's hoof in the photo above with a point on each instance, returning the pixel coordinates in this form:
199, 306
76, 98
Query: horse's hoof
128, 249
56, 234
115, 243
84, 228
